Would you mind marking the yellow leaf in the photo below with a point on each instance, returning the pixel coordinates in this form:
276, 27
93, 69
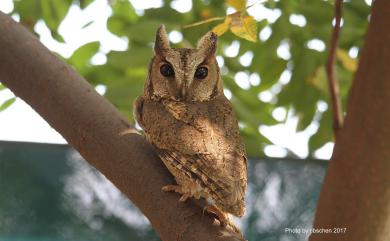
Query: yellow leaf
244, 26
205, 13
348, 62
239, 5
318, 79
222, 27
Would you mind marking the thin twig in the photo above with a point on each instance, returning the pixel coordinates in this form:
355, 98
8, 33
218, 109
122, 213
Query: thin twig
203, 22
331, 72
255, 3
220, 18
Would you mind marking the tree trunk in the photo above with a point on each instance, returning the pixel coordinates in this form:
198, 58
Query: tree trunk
356, 192
99, 132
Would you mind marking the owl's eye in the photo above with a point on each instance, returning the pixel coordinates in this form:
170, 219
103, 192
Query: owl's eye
167, 70
201, 73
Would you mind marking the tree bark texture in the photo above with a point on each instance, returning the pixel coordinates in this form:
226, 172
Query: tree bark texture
356, 191
100, 133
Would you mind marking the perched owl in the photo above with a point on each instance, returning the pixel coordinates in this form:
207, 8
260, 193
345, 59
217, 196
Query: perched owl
190, 122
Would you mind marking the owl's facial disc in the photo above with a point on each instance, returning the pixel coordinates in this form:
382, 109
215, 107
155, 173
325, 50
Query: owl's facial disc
184, 74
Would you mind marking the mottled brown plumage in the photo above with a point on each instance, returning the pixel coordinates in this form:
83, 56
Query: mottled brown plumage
192, 125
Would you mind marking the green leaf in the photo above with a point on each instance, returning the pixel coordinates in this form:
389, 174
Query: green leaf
317, 12
122, 93
124, 10
262, 24
82, 55
243, 112
270, 72
53, 12
254, 141
29, 12
85, 3
324, 133
306, 117
306, 62
57, 36
143, 32
117, 26
103, 74
134, 57
164, 15
7, 103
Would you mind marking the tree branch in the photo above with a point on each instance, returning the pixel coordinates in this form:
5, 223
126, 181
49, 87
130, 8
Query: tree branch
356, 191
100, 133
331, 72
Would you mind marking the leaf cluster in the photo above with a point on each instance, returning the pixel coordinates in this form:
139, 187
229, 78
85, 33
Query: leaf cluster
286, 64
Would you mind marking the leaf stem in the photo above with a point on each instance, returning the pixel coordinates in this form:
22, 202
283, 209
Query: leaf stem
203, 22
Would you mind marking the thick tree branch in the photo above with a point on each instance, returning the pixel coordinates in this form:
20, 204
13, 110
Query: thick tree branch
96, 129
337, 109
356, 192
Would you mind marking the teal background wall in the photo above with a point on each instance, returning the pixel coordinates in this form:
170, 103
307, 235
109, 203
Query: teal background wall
48, 192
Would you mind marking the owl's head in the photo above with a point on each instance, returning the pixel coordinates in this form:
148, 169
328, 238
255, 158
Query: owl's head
184, 74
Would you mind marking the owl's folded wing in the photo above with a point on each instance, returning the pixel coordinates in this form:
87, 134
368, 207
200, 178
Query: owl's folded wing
222, 187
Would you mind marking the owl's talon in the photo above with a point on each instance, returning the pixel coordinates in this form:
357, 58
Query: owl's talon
221, 216
178, 189
184, 197
172, 188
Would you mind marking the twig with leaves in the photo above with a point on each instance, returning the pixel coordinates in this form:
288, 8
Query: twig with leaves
331, 71
241, 24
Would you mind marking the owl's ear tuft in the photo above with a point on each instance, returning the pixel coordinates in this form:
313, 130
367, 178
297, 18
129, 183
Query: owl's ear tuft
162, 42
208, 44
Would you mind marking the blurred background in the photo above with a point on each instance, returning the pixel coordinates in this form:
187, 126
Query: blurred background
276, 81
48, 192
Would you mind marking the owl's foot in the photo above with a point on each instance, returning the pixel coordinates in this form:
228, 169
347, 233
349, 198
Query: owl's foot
221, 216
178, 189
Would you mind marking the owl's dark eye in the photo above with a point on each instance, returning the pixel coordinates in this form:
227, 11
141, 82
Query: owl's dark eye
167, 70
201, 73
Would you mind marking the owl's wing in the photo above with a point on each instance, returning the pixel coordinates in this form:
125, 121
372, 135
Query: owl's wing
223, 188
193, 168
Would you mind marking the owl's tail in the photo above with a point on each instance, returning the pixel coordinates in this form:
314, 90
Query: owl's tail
237, 207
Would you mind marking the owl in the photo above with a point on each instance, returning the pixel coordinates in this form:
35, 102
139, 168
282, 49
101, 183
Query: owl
191, 124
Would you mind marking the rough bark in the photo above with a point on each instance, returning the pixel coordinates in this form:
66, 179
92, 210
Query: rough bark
99, 132
356, 191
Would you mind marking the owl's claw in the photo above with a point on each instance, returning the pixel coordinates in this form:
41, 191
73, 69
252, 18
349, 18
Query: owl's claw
178, 189
184, 197
221, 216
172, 188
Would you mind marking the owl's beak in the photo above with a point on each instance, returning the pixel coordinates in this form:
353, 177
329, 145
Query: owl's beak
183, 92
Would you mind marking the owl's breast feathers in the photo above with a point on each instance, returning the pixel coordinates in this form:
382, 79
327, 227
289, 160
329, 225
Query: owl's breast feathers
202, 140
